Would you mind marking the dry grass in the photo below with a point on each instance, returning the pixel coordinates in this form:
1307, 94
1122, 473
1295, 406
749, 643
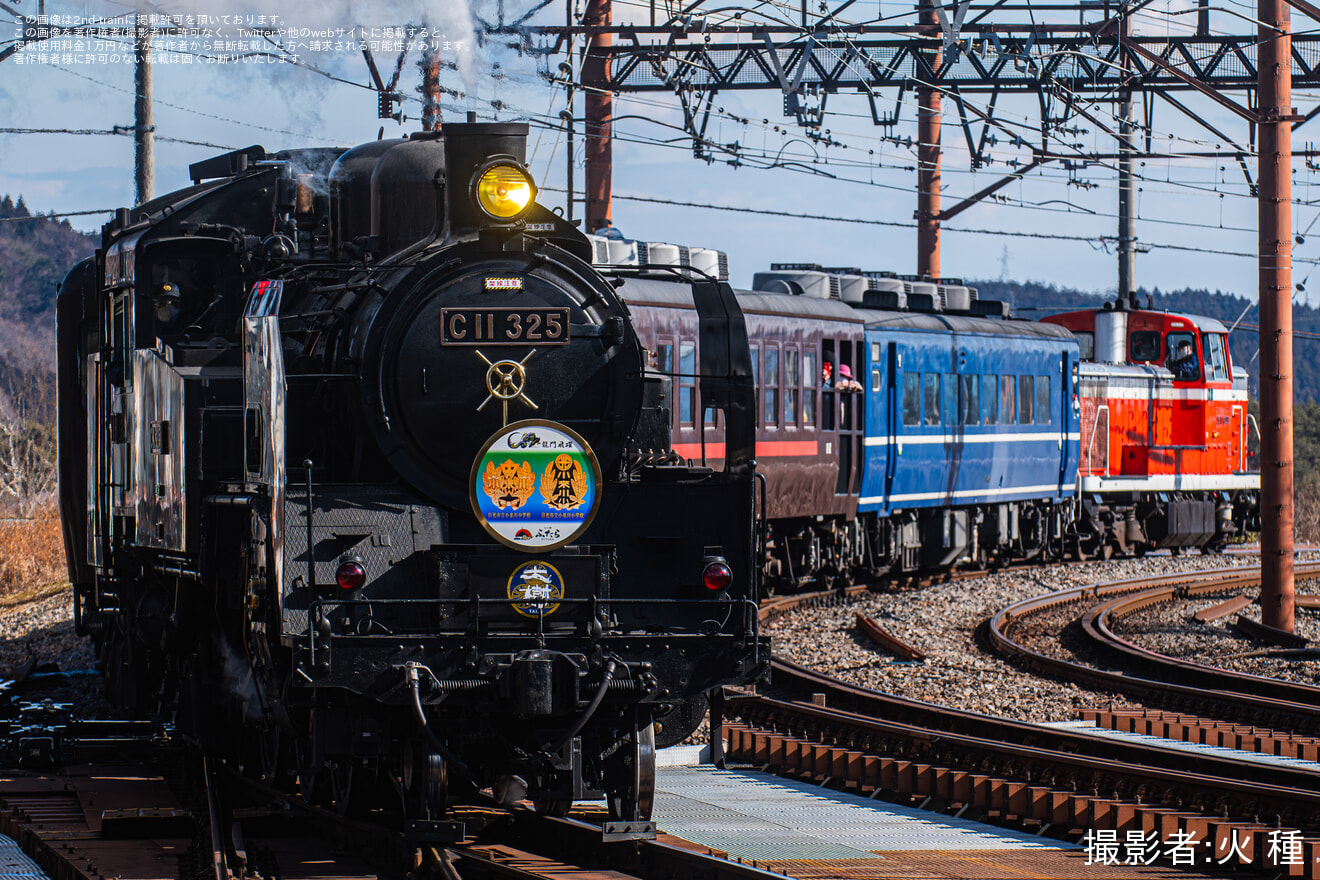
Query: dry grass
31, 553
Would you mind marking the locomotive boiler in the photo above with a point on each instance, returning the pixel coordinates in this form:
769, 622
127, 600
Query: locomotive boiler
367, 485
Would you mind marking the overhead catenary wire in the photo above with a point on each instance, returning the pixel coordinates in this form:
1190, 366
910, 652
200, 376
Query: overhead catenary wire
1012, 233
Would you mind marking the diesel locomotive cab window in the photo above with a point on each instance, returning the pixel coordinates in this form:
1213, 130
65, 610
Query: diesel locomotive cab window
931, 384
809, 387
912, 398
771, 385
970, 400
791, 381
1086, 346
1180, 356
1025, 398
1216, 358
1043, 399
951, 399
1144, 346
990, 384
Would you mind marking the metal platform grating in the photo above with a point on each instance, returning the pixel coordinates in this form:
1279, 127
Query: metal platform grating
14, 863
1090, 729
753, 815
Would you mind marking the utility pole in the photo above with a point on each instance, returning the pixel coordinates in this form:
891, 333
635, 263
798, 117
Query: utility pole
430, 65
1127, 191
144, 123
1276, 357
1127, 205
928, 160
598, 115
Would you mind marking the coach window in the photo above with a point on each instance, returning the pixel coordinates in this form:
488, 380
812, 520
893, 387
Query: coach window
829, 413
791, 380
687, 391
931, 384
1086, 346
664, 357
771, 379
970, 400
990, 384
1025, 398
1007, 400
1043, 401
1216, 358
912, 398
951, 399
809, 386
1144, 346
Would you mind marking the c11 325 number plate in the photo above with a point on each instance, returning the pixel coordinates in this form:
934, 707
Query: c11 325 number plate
504, 326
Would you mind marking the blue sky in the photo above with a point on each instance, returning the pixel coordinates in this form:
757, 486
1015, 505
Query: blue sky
1188, 203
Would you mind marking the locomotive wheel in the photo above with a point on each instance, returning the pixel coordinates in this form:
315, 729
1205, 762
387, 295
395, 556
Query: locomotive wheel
435, 785
631, 789
550, 807
425, 779
268, 744
339, 775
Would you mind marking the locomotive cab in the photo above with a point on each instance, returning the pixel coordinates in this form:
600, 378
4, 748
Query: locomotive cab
1165, 432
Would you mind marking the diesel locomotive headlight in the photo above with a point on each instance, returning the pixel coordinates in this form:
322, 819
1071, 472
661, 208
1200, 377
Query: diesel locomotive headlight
504, 191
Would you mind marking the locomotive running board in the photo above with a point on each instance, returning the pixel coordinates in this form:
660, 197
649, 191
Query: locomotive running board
613, 832
428, 831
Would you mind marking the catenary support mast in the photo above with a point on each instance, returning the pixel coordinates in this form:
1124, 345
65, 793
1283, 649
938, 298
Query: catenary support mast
1276, 361
144, 122
598, 115
928, 164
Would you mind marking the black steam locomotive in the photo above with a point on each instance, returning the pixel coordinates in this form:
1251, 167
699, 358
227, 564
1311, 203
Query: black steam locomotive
367, 485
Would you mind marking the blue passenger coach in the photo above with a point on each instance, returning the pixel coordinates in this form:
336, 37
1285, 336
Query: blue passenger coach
902, 424
971, 435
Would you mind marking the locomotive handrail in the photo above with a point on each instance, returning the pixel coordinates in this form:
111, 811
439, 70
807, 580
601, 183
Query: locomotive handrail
1090, 446
1251, 420
1242, 431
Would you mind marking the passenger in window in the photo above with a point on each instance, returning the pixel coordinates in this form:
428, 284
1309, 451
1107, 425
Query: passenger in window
1184, 364
827, 375
846, 381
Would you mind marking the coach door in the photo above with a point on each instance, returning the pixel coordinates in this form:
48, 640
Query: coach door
894, 415
1067, 420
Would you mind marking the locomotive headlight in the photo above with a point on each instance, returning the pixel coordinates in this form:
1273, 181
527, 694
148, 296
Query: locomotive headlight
504, 191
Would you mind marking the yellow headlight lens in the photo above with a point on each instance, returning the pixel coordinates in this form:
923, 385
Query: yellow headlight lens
504, 191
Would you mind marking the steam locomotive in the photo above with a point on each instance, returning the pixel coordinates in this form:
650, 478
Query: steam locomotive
367, 484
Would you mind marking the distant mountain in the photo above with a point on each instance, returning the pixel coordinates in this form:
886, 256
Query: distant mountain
1030, 300
35, 254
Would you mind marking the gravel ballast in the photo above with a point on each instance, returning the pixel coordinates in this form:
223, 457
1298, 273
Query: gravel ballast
941, 620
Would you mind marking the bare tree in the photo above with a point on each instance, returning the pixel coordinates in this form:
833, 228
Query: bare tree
28, 441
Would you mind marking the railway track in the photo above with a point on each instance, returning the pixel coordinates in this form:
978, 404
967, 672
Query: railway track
1175, 684
1059, 781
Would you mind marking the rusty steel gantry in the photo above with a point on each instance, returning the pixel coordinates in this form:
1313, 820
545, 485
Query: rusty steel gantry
948, 54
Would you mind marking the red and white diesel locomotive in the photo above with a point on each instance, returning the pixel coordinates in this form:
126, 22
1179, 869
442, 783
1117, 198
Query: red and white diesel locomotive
1166, 454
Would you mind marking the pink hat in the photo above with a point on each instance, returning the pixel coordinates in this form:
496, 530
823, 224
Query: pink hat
844, 371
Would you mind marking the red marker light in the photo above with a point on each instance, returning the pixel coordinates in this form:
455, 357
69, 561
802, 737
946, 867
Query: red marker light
351, 575
717, 576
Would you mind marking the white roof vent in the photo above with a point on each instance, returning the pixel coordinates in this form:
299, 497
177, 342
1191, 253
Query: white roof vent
957, 298
814, 284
